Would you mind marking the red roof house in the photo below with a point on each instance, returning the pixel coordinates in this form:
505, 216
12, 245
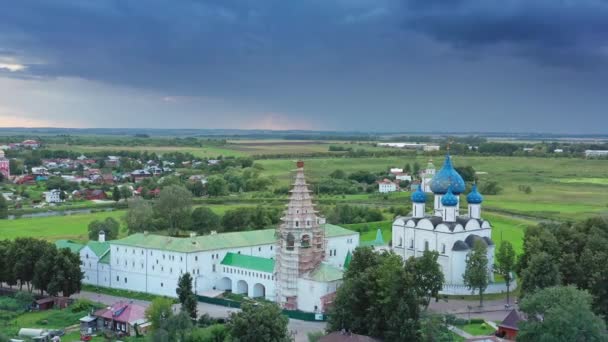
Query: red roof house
122, 317
508, 328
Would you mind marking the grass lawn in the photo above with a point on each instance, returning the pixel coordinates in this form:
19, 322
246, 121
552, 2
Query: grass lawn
54, 227
477, 329
73, 227
49, 319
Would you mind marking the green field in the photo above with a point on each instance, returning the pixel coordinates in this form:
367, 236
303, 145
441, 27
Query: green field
73, 227
553, 196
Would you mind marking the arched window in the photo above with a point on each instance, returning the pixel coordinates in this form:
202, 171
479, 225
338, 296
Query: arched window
443, 248
426, 245
400, 241
412, 243
297, 223
290, 242
308, 223
305, 243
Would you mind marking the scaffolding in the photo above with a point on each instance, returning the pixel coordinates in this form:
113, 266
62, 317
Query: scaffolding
301, 241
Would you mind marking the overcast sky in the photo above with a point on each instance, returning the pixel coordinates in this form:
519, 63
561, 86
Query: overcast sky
383, 65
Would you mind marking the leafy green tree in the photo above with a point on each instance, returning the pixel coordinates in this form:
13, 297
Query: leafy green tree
125, 192
25, 252
178, 326
428, 276
476, 272
505, 263
560, 313
433, 328
186, 295
109, 226
217, 186
3, 207
204, 220
174, 205
67, 276
416, 168
490, 188
116, 194
212, 333
44, 268
196, 188
260, 322
7, 262
338, 174
159, 311
377, 298
140, 216
541, 273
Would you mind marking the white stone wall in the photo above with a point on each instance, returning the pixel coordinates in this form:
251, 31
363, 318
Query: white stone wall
310, 293
157, 271
338, 247
94, 272
406, 233
245, 281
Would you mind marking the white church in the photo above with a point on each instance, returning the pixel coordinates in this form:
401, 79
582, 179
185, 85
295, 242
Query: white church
444, 228
298, 265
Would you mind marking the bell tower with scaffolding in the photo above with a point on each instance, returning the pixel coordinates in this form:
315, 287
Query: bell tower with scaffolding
300, 241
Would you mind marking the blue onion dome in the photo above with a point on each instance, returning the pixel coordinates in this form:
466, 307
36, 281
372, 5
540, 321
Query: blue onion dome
474, 197
447, 177
449, 199
419, 196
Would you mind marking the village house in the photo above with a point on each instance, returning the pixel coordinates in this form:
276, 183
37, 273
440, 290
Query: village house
386, 186
122, 317
53, 196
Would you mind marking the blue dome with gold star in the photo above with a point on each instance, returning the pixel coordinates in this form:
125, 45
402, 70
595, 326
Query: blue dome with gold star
449, 199
474, 197
419, 196
447, 177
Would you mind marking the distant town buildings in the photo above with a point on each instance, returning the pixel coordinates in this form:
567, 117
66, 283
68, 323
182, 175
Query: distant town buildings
53, 196
596, 153
5, 168
386, 186
411, 146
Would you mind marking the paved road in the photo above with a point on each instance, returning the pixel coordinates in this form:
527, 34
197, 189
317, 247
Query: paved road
492, 310
298, 327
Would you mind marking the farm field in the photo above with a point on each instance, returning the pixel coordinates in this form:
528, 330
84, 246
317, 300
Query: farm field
553, 196
203, 152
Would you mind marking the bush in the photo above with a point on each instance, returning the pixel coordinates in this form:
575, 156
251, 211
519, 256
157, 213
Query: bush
82, 305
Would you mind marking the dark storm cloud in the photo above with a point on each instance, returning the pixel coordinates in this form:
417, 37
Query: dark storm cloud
184, 44
562, 32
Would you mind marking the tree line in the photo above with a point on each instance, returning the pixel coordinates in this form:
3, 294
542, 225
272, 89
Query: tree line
38, 264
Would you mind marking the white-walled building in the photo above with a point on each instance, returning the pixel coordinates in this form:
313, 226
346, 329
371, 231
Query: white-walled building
444, 229
257, 263
386, 186
427, 175
53, 196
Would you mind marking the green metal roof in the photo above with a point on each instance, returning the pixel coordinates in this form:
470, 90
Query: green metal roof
99, 248
249, 262
105, 259
325, 273
71, 245
347, 260
215, 241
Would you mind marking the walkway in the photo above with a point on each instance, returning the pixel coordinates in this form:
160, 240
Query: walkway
298, 327
492, 310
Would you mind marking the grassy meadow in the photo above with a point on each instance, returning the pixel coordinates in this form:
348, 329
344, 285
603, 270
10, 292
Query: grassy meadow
554, 195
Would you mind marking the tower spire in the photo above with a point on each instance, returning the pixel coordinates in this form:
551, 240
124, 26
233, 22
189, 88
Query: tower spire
301, 240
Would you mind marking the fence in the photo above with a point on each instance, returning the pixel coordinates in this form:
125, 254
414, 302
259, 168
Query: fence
295, 314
